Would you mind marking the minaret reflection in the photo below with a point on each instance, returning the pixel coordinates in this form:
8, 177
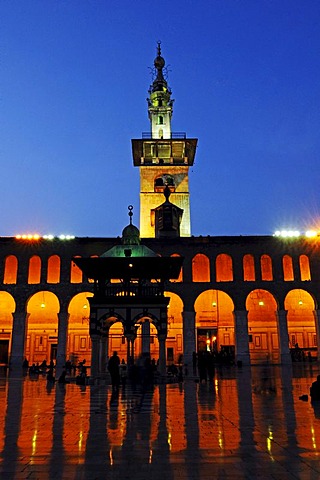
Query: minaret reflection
12, 427
57, 455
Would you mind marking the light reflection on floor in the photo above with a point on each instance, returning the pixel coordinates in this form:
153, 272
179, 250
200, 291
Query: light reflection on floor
248, 423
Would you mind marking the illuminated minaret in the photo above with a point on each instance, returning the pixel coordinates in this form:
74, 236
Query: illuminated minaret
164, 157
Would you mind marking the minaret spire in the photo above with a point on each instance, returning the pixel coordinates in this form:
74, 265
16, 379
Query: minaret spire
159, 102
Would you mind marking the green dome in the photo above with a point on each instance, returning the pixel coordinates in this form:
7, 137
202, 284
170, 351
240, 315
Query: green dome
130, 235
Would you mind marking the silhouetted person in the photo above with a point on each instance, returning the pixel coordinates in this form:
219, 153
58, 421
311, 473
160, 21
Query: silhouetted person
62, 378
315, 390
194, 363
113, 367
202, 366
50, 376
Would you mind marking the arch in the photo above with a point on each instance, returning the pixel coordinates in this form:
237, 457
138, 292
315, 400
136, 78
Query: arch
7, 308
162, 180
200, 268
180, 278
79, 342
10, 270
300, 306
224, 268
287, 266
34, 273
266, 268
249, 274
75, 272
42, 328
53, 271
304, 268
262, 327
175, 325
160, 120
215, 322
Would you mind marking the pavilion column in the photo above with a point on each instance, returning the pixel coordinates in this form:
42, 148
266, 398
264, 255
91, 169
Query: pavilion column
132, 348
20, 322
162, 355
189, 338
283, 336
95, 355
316, 314
103, 353
145, 337
63, 320
242, 336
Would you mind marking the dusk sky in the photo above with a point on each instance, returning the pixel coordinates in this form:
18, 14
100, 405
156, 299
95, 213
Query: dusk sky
245, 76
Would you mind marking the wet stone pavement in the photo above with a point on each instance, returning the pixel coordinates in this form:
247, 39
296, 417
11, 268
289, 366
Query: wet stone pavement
248, 424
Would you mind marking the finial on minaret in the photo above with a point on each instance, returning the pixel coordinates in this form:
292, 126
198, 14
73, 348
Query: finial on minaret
130, 208
159, 48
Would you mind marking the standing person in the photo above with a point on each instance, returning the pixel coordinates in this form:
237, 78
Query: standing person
113, 367
194, 363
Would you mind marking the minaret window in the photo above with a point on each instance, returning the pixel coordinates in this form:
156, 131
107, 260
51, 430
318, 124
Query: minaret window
161, 182
160, 120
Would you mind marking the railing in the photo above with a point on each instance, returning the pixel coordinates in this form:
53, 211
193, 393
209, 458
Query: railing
174, 135
133, 290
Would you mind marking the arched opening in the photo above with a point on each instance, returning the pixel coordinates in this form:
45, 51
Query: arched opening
174, 343
53, 272
262, 327
215, 324
249, 274
266, 268
304, 268
6, 321
301, 324
200, 268
79, 342
224, 268
34, 273
287, 266
116, 339
10, 270
75, 273
42, 328
180, 278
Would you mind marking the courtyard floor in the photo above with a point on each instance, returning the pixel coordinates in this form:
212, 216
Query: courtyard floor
248, 424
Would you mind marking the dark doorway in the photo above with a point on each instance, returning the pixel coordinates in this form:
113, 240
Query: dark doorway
4, 351
53, 351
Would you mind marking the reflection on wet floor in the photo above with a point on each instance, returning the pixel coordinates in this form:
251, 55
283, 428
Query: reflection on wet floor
248, 423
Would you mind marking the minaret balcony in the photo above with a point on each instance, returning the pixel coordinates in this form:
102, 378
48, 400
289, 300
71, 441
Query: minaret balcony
154, 151
176, 135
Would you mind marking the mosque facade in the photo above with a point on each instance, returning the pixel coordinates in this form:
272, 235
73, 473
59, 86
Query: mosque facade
247, 299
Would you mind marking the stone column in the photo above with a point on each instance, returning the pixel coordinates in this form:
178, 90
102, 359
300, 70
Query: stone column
20, 322
162, 355
316, 314
145, 344
283, 336
241, 336
95, 355
189, 338
103, 354
63, 320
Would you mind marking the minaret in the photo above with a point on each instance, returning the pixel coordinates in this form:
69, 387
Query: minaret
163, 157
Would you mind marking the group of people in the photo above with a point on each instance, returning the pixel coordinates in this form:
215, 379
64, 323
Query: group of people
142, 372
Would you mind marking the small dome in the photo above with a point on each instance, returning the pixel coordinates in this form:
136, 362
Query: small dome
130, 235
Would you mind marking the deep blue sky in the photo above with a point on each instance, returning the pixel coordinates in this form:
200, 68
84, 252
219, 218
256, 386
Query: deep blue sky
245, 76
